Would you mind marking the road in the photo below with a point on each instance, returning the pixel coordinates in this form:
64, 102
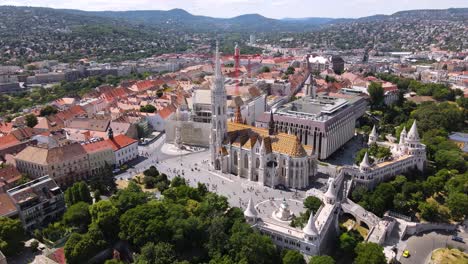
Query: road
422, 245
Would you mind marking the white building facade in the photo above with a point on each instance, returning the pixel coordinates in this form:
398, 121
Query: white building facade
408, 154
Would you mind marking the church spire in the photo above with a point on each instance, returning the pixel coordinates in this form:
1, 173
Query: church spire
271, 124
218, 73
238, 116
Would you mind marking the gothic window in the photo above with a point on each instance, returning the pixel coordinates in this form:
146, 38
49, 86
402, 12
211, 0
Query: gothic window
246, 161
235, 158
257, 163
219, 110
219, 125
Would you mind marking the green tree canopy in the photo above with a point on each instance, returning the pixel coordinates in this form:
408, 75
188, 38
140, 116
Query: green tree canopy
31, 120
48, 110
77, 216
369, 253
322, 260
312, 203
11, 236
376, 94
78, 192
129, 197
293, 257
106, 216
160, 253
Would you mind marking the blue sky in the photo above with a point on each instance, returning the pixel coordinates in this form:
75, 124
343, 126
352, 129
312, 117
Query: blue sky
269, 8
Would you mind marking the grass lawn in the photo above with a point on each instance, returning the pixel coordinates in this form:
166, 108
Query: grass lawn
449, 256
122, 184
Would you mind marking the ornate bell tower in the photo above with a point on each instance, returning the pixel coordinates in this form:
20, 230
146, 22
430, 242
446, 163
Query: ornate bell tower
218, 115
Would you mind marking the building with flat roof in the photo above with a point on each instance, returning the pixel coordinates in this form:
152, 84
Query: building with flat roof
323, 121
39, 202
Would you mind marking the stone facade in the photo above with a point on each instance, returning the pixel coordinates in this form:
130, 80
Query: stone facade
408, 154
258, 154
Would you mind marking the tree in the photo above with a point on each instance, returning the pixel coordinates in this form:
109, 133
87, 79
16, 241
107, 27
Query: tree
249, 246
31, 120
293, 257
104, 180
160, 253
78, 192
106, 216
77, 216
145, 223
11, 236
450, 159
376, 94
429, 210
312, 203
369, 253
81, 248
148, 109
48, 110
290, 70
458, 205
265, 69
348, 242
130, 197
322, 260
178, 181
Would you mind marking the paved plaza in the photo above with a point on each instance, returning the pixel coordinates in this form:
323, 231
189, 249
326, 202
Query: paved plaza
195, 168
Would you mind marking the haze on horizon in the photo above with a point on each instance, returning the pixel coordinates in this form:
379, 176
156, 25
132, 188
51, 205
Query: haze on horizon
268, 8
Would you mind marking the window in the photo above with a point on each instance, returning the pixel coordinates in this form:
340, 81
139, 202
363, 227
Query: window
246, 161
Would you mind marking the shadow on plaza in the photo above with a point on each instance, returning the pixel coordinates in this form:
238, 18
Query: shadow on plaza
347, 153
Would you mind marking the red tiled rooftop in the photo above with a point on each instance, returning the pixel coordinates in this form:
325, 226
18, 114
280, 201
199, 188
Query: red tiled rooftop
120, 141
7, 207
9, 174
97, 146
8, 141
166, 111
6, 128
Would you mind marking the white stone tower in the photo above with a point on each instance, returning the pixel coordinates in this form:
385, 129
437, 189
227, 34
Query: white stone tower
415, 148
401, 145
365, 164
218, 115
251, 213
310, 230
373, 136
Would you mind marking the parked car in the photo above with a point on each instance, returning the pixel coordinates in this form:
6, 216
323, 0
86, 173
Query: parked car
406, 253
458, 239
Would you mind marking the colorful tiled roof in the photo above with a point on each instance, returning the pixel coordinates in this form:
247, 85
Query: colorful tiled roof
245, 136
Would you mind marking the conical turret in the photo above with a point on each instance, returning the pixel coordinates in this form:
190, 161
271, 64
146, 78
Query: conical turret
373, 136
330, 195
365, 164
403, 136
413, 133
310, 230
250, 211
